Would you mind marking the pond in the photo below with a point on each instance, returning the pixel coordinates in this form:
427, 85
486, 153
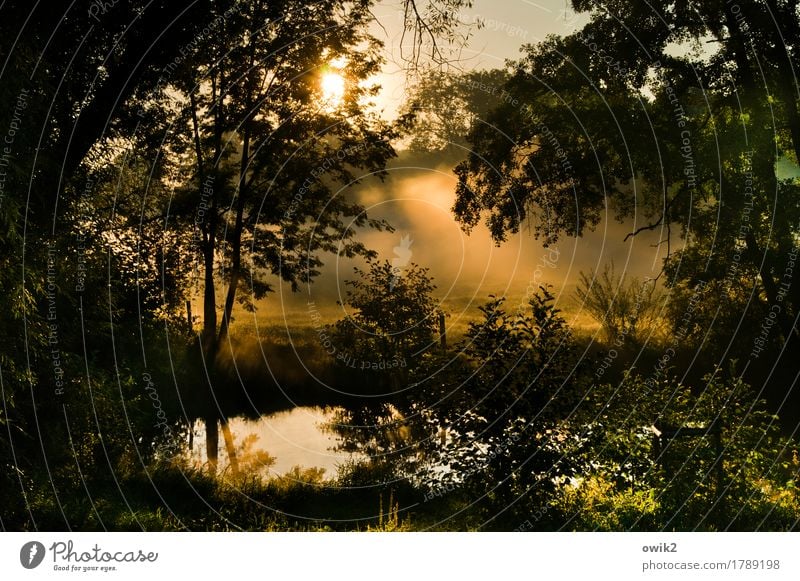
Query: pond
293, 438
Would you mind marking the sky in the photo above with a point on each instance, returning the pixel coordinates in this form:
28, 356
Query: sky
498, 29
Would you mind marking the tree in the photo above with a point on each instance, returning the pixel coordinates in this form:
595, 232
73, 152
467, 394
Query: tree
610, 117
503, 408
264, 153
60, 82
386, 344
443, 107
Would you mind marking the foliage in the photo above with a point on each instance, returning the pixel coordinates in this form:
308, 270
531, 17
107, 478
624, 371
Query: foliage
444, 107
502, 407
384, 345
392, 315
171, 148
697, 480
627, 309
595, 504
610, 117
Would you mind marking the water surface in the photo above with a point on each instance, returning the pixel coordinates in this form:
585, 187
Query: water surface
293, 438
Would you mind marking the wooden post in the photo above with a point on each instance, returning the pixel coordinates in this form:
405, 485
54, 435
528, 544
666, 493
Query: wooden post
719, 450
442, 332
656, 444
715, 430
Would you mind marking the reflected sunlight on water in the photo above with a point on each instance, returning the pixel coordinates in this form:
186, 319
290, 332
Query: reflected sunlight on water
293, 438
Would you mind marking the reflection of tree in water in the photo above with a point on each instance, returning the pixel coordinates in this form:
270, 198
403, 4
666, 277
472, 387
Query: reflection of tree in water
248, 461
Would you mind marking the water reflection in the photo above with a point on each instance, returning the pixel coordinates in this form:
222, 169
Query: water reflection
291, 438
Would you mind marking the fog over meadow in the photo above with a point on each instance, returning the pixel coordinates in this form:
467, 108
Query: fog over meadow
416, 199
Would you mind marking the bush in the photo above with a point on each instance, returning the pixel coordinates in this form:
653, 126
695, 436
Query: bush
628, 309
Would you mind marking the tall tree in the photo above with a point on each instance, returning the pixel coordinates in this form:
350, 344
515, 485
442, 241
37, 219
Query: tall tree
277, 119
86, 209
59, 69
680, 115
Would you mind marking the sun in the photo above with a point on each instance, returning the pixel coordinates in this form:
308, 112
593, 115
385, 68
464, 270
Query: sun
332, 89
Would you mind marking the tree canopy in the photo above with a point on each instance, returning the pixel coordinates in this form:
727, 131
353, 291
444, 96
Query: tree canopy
680, 118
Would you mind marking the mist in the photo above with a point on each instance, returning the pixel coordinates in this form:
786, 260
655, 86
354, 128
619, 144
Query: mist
416, 200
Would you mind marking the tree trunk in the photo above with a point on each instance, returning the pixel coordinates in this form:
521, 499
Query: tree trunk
208, 338
241, 194
213, 340
741, 57
770, 286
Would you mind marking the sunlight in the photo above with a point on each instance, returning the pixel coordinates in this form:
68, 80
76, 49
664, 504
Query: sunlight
332, 89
